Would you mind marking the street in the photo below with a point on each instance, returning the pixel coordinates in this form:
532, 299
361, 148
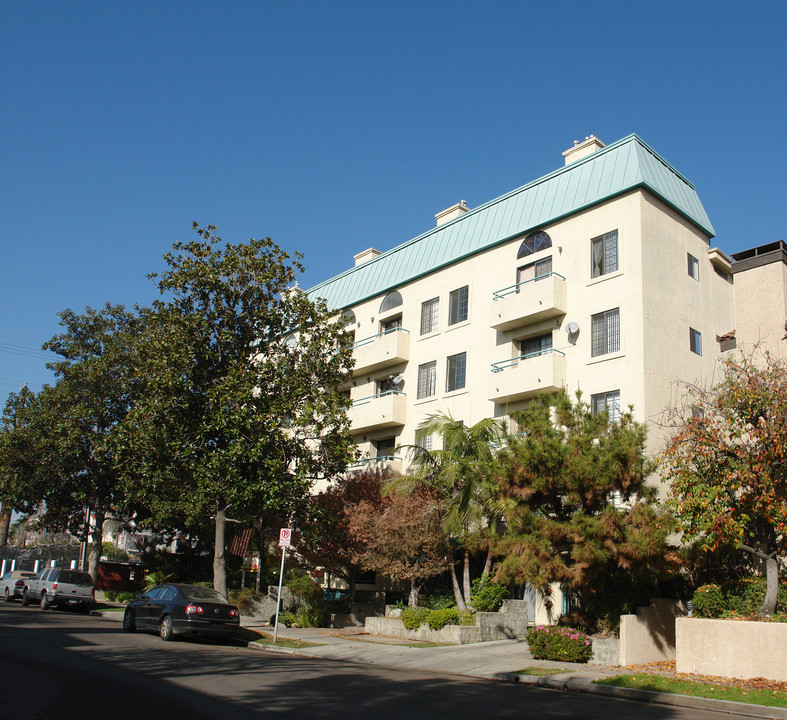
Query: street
58, 665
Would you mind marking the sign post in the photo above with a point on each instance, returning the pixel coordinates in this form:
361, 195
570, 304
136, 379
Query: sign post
285, 536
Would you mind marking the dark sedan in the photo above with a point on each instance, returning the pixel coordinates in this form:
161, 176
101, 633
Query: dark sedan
182, 609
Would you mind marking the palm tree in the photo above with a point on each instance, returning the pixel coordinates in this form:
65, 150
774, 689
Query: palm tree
461, 473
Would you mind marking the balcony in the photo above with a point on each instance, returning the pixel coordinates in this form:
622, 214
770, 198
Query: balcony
377, 412
383, 350
526, 376
387, 462
527, 302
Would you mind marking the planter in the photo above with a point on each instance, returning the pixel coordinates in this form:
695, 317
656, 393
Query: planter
731, 648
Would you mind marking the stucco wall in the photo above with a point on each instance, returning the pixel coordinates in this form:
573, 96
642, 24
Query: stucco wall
731, 648
649, 636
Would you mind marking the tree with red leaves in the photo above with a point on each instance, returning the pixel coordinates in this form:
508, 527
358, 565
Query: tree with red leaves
726, 464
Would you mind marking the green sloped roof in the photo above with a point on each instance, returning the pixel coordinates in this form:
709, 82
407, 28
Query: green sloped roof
615, 169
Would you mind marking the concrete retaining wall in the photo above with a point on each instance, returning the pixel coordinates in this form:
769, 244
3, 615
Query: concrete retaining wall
649, 636
731, 648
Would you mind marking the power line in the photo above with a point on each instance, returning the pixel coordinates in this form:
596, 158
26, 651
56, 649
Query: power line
25, 351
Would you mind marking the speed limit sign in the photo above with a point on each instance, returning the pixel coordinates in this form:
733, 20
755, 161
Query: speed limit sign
285, 536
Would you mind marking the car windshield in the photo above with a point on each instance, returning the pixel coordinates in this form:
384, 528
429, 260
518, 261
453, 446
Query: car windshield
197, 593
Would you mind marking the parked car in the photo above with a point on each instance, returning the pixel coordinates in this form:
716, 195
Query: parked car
13, 583
61, 588
187, 609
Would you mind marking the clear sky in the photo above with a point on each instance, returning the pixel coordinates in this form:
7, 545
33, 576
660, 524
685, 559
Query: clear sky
335, 126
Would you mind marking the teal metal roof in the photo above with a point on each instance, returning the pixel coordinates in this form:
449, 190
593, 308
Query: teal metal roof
617, 168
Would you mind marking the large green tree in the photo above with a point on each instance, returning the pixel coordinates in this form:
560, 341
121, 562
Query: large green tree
61, 443
460, 475
577, 507
241, 405
725, 463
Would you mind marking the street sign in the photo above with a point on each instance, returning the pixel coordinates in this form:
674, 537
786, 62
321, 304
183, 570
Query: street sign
285, 536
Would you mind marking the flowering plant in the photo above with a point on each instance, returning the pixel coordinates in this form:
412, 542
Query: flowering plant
550, 642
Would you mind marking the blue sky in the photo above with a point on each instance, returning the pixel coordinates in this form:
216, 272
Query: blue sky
332, 127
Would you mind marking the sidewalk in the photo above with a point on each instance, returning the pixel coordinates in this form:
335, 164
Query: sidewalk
498, 660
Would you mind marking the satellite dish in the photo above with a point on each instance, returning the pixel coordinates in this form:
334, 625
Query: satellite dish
572, 328
397, 380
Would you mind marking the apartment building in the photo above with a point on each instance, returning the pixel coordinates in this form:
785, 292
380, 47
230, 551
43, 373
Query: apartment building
599, 277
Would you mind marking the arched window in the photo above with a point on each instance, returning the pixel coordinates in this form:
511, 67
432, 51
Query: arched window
348, 318
392, 300
534, 242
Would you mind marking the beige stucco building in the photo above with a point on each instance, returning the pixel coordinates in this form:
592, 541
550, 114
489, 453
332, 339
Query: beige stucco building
600, 277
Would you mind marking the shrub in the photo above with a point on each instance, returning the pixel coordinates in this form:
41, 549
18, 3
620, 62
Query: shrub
414, 617
286, 618
559, 643
437, 619
708, 601
466, 617
439, 602
245, 599
487, 595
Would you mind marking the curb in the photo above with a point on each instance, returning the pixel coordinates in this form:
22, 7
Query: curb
585, 685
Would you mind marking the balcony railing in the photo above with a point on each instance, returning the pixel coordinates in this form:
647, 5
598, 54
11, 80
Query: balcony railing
390, 347
383, 410
529, 301
527, 375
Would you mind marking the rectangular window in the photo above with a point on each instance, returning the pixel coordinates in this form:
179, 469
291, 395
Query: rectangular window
427, 380
609, 401
457, 305
695, 341
429, 314
424, 441
605, 332
694, 266
604, 252
534, 271
536, 345
386, 447
456, 372
385, 385
391, 324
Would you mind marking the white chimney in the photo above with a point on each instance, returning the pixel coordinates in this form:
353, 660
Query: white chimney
582, 149
450, 213
366, 255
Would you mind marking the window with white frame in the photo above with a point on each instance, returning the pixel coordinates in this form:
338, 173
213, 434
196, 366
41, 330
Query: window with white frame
458, 304
427, 380
429, 314
424, 441
605, 332
694, 266
695, 341
456, 372
609, 401
533, 271
604, 254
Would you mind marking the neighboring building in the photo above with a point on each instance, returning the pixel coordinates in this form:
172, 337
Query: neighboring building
761, 298
599, 276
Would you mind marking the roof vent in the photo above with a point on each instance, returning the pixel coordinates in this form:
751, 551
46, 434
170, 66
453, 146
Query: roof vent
450, 213
582, 149
366, 255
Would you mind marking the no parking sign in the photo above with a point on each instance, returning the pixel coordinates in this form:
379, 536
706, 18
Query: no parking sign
285, 535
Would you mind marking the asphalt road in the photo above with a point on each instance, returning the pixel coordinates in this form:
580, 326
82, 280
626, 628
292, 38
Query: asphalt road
57, 665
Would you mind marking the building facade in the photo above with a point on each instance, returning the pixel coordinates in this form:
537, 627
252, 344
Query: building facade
599, 277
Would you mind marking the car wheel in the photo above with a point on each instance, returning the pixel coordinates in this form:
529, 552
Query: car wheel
165, 631
7, 595
25, 598
45, 604
129, 621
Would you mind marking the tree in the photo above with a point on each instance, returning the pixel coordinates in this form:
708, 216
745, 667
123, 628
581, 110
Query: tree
60, 446
576, 503
725, 463
460, 475
325, 539
401, 538
240, 407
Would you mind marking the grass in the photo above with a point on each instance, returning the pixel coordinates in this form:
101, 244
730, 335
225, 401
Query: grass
658, 683
265, 639
541, 671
